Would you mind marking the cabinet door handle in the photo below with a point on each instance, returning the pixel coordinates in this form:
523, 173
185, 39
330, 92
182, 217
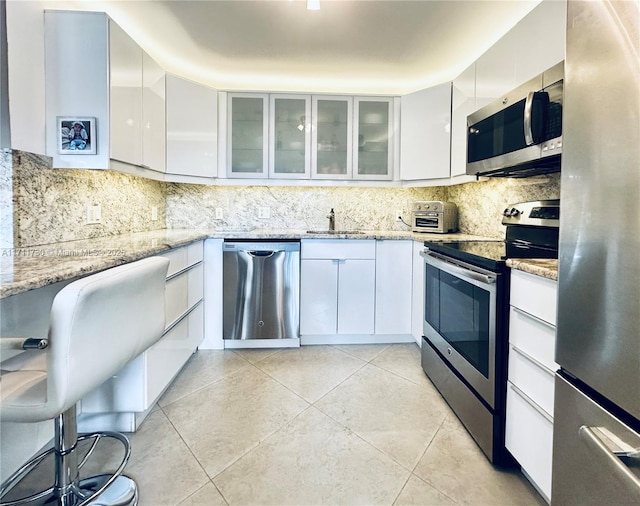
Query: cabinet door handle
539, 320
533, 360
531, 402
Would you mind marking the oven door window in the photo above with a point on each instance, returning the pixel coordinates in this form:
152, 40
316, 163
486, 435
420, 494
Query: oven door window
427, 221
459, 312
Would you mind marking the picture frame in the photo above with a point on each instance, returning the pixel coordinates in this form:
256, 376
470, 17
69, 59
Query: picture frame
76, 135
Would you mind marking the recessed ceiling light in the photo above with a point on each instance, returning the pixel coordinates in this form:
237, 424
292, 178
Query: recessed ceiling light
313, 5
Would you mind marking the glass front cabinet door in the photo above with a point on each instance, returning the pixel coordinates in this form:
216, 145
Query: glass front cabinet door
373, 153
331, 137
290, 136
248, 119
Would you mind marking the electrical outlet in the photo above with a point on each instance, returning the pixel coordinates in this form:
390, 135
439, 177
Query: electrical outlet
264, 213
398, 215
154, 213
94, 214
219, 214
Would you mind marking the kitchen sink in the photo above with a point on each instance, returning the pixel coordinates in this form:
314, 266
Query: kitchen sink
334, 232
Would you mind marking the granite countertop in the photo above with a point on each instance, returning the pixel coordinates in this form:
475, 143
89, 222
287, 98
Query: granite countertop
23, 269
545, 267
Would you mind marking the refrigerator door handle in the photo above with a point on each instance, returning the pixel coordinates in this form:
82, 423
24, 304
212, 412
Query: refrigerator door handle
594, 439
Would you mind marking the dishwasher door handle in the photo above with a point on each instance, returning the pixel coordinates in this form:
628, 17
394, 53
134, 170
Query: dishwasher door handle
265, 254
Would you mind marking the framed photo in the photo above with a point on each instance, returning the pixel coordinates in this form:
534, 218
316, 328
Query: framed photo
76, 135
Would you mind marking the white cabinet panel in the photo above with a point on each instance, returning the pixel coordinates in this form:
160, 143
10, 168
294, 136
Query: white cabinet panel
356, 296
166, 358
182, 292
534, 381
154, 138
463, 103
181, 258
318, 296
338, 249
125, 71
535, 295
529, 438
534, 337
85, 95
417, 292
425, 134
393, 287
192, 128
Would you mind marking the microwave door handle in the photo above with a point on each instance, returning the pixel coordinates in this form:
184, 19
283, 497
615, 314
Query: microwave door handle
528, 109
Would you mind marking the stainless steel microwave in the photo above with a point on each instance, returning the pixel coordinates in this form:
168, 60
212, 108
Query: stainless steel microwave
519, 134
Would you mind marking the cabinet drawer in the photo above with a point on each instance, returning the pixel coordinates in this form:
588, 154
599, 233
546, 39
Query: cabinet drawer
338, 249
181, 258
533, 336
183, 292
535, 381
535, 295
529, 438
167, 356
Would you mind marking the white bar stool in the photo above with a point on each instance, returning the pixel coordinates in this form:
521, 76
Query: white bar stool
97, 325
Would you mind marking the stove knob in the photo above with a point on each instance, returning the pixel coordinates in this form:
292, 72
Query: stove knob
514, 212
427, 206
505, 213
419, 207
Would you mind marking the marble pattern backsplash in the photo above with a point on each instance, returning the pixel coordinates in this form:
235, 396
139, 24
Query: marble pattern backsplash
49, 205
480, 205
299, 208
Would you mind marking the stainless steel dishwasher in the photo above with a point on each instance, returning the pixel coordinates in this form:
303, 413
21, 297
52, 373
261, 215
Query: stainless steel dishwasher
261, 290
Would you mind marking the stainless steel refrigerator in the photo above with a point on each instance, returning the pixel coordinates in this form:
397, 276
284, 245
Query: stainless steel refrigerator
597, 405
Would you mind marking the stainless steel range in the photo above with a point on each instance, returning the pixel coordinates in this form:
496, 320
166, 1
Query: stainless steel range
465, 326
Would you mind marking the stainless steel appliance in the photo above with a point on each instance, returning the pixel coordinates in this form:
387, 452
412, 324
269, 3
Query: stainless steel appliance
261, 290
465, 342
596, 453
519, 134
434, 216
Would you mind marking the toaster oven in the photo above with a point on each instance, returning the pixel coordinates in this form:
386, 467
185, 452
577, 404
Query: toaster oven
434, 216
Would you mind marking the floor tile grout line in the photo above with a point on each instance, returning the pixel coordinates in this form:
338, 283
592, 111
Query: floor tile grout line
386, 347
422, 456
190, 451
214, 382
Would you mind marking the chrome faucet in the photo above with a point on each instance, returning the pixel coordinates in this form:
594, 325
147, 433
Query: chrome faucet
332, 219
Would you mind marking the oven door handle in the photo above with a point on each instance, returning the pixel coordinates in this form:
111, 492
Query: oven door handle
463, 271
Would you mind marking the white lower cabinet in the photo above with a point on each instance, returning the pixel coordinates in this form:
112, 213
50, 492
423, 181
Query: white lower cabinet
337, 287
394, 272
530, 389
355, 291
123, 402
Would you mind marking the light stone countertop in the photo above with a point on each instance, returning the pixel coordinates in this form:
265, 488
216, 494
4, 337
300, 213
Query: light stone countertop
545, 267
24, 269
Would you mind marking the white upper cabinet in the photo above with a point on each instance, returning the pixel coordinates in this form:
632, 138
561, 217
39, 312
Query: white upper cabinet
192, 129
154, 130
373, 136
247, 131
425, 134
463, 100
115, 84
541, 38
125, 75
331, 137
78, 87
536, 43
290, 136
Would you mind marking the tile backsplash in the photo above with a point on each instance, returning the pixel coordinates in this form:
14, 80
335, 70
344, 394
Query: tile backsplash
49, 205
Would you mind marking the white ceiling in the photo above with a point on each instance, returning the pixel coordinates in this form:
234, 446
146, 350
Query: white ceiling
361, 46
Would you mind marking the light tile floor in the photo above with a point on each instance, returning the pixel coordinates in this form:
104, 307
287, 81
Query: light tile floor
318, 425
